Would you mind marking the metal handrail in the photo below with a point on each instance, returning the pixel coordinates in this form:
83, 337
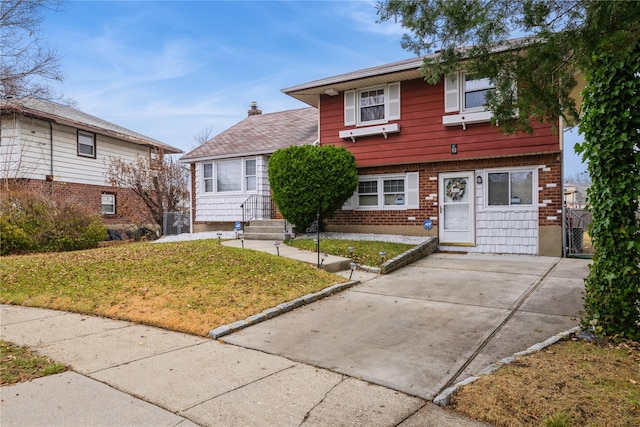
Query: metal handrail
256, 206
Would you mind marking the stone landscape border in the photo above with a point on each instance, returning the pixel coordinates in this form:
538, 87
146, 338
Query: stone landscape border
444, 398
280, 309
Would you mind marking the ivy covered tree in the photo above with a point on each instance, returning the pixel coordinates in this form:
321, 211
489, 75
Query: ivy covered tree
534, 77
308, 180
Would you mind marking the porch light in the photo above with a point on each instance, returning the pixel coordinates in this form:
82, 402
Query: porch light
331, 92
479, 179
277, 245
219, 234
382, 254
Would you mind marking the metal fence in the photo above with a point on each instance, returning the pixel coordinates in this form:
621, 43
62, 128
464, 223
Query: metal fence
577, 240
175, 223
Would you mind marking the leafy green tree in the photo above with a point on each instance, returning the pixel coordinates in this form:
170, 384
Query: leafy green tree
308, 180
534, 77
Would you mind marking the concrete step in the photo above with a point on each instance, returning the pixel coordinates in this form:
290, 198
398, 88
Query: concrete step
266, 229
268, 223
249, 229
281, 236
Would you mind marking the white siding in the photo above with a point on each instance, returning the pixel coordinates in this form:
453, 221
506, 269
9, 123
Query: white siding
508, 231
26, 153
213, 207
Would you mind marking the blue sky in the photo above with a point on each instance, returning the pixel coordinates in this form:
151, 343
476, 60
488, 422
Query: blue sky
171, 69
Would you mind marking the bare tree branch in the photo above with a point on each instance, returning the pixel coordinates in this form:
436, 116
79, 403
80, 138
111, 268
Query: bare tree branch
26, 63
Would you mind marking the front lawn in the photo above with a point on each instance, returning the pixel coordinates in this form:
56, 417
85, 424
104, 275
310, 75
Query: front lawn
191, 287
363, 252
568, 384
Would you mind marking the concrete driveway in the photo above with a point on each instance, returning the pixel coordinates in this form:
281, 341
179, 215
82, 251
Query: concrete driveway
433, 323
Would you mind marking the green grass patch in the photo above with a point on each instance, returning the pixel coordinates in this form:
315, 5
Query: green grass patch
363, 252
19, 364
190, 286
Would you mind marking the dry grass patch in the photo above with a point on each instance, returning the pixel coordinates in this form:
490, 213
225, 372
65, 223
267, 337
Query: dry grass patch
191, 286
568, 384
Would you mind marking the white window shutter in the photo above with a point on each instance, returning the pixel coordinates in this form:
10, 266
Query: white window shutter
394, 101
349, 205
451, 93
350, 108
412, 191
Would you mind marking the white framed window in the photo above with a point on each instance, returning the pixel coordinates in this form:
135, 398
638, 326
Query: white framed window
250, 175
108, 206
207, 177
86, 144
385, 192
463, 92
368, 193
474, 92
373, 105
230, 176
511, 188
467, 96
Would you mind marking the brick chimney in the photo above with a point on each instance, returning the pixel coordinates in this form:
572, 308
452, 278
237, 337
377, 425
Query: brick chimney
254, 111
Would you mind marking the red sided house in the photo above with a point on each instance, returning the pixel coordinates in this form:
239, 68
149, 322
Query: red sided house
429, 152
65, 152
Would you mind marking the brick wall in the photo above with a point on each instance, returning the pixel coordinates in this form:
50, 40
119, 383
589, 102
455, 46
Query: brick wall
130, 210
550, 190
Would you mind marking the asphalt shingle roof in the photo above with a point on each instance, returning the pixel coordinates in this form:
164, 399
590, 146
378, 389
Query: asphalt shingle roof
66, 115
261, 134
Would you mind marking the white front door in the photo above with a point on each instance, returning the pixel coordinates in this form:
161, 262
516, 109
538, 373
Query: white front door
456, 213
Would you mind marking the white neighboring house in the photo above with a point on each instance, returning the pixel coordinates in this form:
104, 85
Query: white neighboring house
48, 145
229, 172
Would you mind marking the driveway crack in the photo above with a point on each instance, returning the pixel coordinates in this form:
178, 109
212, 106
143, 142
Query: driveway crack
308, 414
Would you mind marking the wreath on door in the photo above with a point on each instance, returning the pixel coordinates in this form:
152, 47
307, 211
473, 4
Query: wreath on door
456, 188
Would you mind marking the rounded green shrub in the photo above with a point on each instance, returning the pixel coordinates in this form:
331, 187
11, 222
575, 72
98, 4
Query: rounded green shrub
309, 179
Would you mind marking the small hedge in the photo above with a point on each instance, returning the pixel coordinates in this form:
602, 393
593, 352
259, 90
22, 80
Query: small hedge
32, 222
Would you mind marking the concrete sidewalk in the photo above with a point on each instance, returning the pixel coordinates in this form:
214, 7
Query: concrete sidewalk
131, 375
331, 263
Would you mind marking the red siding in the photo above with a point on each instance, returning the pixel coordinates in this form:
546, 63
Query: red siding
423, 137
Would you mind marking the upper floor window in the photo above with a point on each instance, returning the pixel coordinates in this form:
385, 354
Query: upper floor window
510, 188
372, 106
474, 92
86, 144
226, 176
464, 92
